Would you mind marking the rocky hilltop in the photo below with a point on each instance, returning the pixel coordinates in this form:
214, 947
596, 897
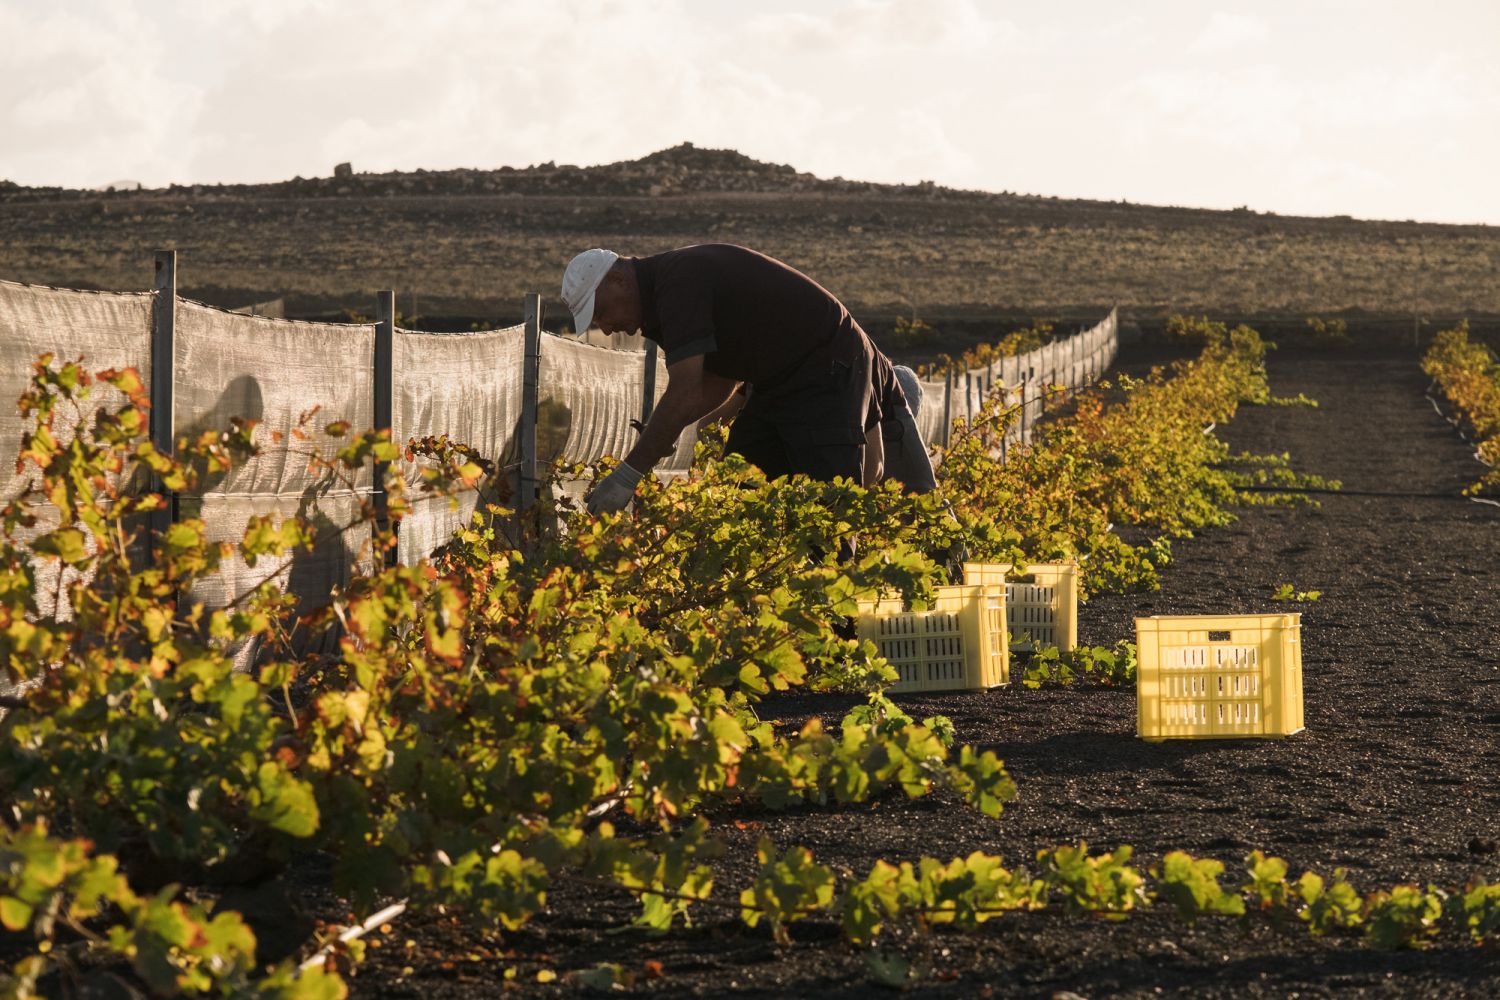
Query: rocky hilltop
682, 169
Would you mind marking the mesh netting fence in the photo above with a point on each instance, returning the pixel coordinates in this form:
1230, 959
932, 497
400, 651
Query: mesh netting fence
286, 374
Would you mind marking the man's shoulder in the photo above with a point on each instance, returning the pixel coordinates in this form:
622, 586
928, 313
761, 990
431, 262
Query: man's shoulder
730, 263
710, 255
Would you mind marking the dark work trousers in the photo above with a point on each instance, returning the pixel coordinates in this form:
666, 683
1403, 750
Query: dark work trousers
906, 458
812, 422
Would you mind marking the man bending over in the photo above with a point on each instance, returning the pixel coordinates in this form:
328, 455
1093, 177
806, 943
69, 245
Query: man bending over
725, 315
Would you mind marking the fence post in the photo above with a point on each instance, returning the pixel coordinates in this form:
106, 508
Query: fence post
1025, 416
987, 386
648, 397
947, 407
1004, 427
385, 398
530, 383
1114, 337
1073, 377
163, 347
1056, 360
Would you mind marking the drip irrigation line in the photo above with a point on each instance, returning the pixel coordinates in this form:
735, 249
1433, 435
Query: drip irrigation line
1459, 426
1391, 494
355, 932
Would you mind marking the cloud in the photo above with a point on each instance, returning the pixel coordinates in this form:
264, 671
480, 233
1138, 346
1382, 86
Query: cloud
587, 81
860, 28
1163, 101
85, 97
1231, 107
459, 85
1228, 32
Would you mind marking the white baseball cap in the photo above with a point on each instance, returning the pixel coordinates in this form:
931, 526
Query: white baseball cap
581, 280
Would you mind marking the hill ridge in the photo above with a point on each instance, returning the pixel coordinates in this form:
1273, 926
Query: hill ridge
683, 169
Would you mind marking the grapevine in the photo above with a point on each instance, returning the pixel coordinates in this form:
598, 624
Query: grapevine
1469, 377
562, 706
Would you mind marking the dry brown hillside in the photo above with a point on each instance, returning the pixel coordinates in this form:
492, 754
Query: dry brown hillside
468, 243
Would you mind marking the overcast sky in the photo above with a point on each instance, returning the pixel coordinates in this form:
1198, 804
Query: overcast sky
1377, 108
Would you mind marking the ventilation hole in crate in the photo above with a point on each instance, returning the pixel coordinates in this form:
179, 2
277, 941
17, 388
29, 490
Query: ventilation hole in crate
945, 670
1218, 635
1185, 658
945, 645
1245, 714
1241, 657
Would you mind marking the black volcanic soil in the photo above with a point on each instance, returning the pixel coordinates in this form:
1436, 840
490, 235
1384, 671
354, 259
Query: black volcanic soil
1395, 777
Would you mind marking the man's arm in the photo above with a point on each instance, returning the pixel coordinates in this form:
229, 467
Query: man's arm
874, 456
691, 393
728, 410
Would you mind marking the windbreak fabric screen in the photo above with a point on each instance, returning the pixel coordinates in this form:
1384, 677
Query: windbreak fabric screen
587, 399
466, 386
1071, 363
275, 371
102, 330
930, 414
339, 553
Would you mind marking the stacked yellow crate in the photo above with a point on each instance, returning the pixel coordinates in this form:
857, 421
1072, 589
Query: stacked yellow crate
958, 644
1041, 601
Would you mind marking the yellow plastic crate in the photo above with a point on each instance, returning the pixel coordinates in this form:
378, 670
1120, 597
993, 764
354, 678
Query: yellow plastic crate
1217, 676
1041, 601
956, 645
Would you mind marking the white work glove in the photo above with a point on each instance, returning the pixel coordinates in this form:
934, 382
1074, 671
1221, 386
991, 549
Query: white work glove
617, 490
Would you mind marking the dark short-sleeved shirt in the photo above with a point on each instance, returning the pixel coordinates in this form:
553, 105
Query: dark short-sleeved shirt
753, 318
